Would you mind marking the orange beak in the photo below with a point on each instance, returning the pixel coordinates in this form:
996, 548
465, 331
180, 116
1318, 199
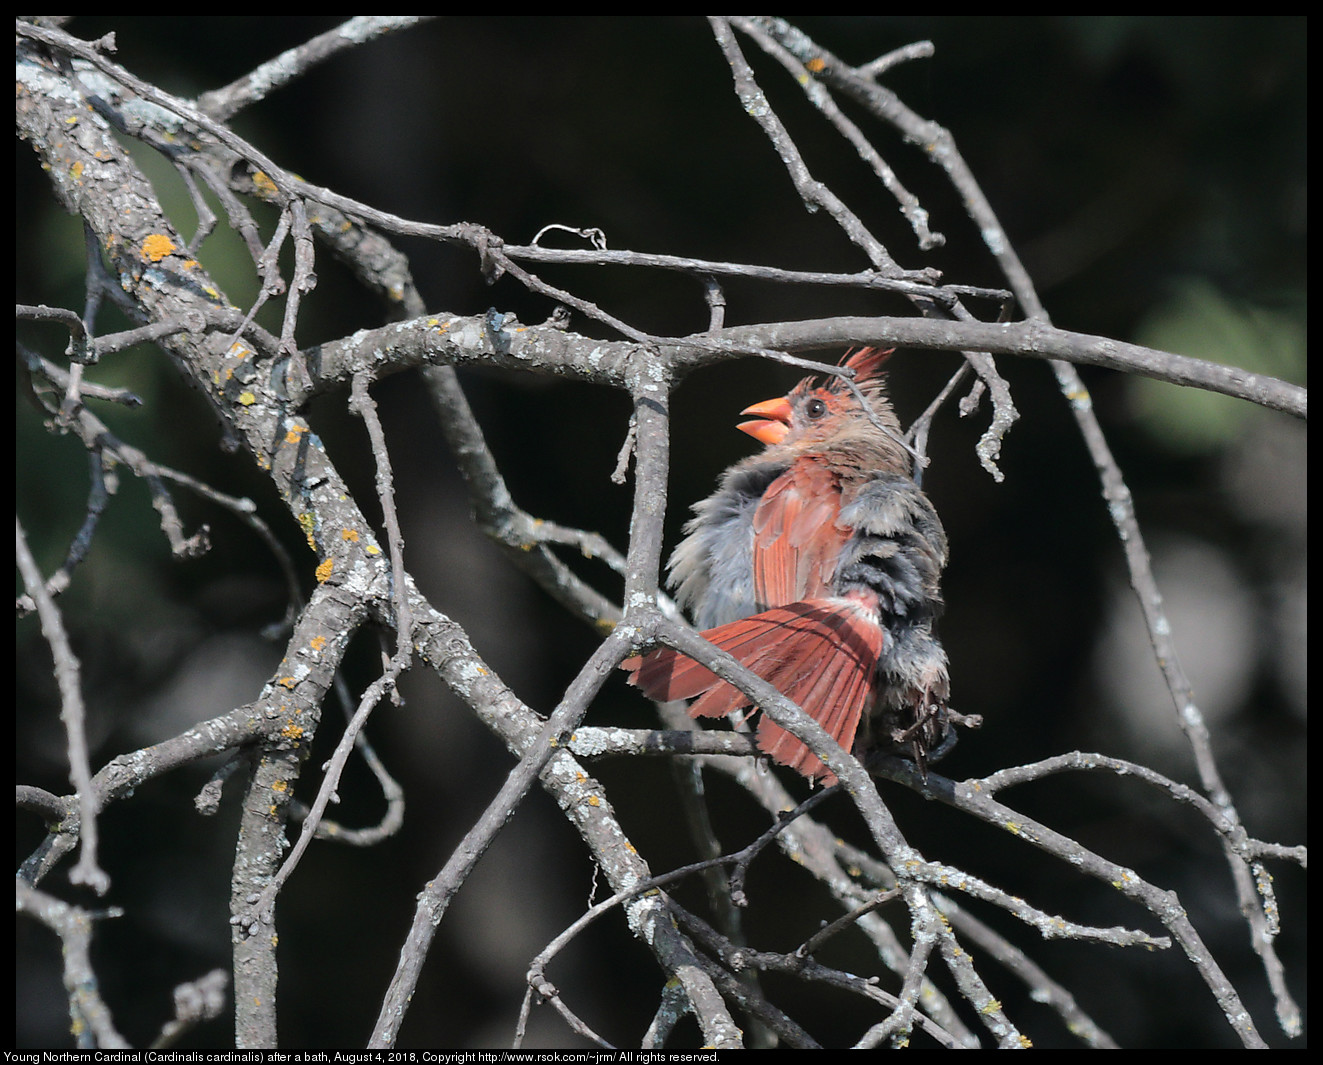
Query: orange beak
773, 420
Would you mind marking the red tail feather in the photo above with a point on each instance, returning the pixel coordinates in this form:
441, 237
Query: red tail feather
821, 654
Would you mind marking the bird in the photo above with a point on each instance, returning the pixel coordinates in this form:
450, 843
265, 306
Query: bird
817, 564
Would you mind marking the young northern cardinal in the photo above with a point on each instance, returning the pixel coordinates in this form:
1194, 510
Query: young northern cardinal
817, 565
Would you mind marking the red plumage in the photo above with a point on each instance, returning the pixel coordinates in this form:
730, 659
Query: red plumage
817, 565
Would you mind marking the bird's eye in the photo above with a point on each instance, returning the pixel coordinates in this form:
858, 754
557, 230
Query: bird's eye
815, 408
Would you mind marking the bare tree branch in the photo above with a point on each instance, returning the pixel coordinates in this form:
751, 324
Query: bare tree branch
270, 372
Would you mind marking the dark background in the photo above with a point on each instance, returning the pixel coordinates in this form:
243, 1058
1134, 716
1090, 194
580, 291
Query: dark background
1151, 173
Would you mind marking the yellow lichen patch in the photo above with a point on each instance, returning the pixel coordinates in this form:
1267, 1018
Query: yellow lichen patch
816, 65
264, 184
287, 682
292, 731
372, 549
76, 170
593, 800
350, 535
157, 246
280, 785
323, 570
247, 399
292, 437
317, 642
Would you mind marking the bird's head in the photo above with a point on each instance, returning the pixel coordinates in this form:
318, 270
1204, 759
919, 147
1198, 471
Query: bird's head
817, 410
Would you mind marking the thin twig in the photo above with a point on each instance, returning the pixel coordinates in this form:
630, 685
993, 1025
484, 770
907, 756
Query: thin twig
89, 1016
293, 63
68, 676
